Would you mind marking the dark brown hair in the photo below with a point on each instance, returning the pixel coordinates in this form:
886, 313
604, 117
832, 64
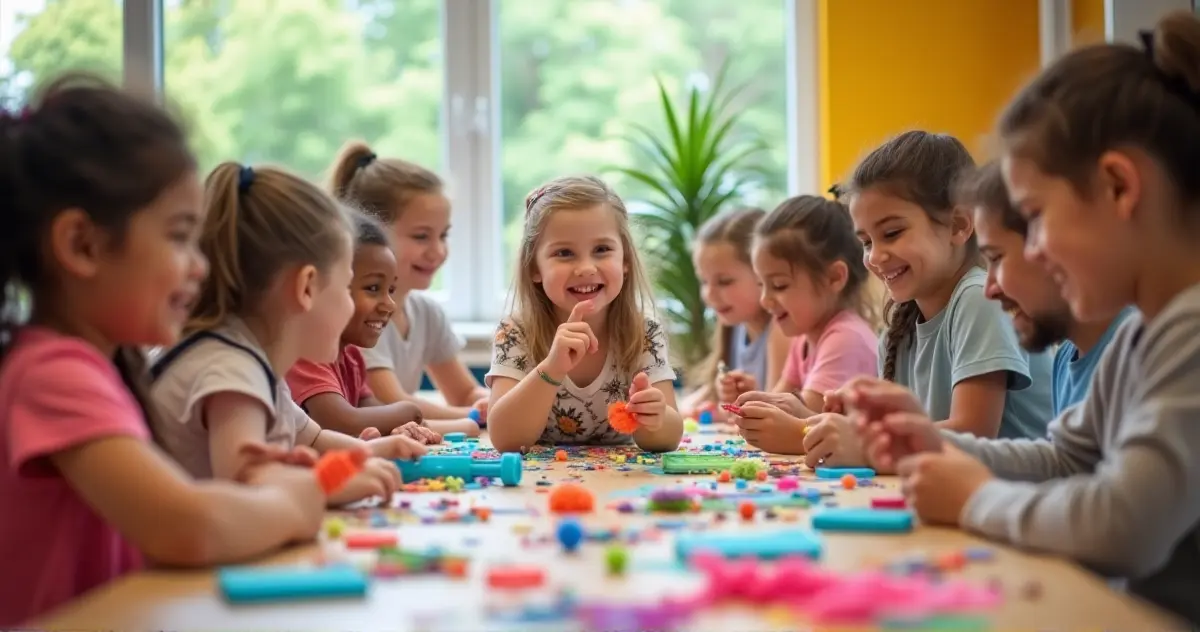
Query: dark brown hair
80, 144
736, 228
983, 189
810, 233
1107, 96
920, 168
260, 220
382, 187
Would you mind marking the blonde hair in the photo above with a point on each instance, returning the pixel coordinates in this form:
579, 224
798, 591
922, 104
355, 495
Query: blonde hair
532, 310
736, 228
259, 221
382, 187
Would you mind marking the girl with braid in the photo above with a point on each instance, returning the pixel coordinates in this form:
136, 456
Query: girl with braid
945, 340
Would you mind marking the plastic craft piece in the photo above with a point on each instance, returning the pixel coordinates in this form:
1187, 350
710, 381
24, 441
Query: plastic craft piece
336, 468
621, 419
836, 473
474, 416
571, 498
732, 409
371, 540
507, 468
888, 502
695, 463
454, 437
256, 585
570, 534
761, 545
863, 520
746, 469
515, 577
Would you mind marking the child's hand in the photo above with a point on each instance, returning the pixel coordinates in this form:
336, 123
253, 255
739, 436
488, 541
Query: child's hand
256, 454
378, 478
897, 436
573, 339
482, 406
646, 402
872, 399
770, 428
369, 433
835, 402
731, 385
787, 402
939, 485
832, 440
418, 433
300, 486
397, 446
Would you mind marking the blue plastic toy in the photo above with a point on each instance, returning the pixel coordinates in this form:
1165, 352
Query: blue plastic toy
705, 418
570, 534
254, 585
474, 416
507, 468
454, 437
764, 546
863, 520
838, 472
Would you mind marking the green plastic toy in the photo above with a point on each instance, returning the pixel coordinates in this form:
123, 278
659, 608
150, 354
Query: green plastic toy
695, 463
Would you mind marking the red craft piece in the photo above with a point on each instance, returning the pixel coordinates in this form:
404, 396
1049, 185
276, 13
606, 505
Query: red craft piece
571, 498
621, 419
516, 577
336, 468
371, 540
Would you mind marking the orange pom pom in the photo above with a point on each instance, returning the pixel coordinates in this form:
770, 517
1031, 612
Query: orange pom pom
335, 469
621, 419
571, 498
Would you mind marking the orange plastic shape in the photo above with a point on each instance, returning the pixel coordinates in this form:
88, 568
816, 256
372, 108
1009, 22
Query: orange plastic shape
571, 498
336, 468
371, 540
516, 577
621, 419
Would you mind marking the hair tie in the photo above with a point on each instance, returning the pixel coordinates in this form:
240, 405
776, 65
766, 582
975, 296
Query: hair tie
835, 191
1175, 85
365, 160
534, 197
245, 178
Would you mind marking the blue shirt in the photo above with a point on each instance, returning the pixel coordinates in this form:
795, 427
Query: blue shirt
1073, 374
973, 336
750, 357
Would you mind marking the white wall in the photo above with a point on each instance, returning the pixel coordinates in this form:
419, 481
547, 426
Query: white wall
1124, 18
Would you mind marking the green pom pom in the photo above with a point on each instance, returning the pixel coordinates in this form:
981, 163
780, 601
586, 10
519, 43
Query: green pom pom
746, 469
617, 559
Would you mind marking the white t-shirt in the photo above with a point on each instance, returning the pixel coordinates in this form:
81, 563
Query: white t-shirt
430, 341
227, 359
580, 414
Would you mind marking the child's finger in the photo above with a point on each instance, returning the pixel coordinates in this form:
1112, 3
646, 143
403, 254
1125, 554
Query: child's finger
816, 434
757, 410
302, 456
581, 309
369, 433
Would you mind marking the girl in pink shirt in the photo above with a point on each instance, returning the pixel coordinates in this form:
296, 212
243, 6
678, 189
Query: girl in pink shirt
814, 284
103, 209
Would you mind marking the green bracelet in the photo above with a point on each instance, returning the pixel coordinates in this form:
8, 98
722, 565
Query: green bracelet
549, 380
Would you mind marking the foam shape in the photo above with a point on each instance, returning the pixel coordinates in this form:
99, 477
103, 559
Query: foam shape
888, 502
515, 577
507, 468
761, 545
454, 437
371, 539
621, 419
834, 473
862, 519
258, 584
695, 462
337, 467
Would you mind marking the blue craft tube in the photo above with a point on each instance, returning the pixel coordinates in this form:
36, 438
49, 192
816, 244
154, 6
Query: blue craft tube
507, 468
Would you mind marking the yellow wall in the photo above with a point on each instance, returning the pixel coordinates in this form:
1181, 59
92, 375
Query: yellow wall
941, 65
1087, 21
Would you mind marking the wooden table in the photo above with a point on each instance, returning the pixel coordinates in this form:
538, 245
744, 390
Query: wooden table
1071, 598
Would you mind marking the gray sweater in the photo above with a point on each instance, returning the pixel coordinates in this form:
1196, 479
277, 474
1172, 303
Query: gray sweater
1117, 485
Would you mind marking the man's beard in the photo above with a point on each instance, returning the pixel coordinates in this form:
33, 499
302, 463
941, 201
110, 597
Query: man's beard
1047, 330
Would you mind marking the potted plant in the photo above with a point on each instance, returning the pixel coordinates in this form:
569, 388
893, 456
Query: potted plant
694, 169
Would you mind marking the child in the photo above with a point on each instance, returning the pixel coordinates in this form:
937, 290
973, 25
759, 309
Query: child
945, 340
1109, 189
336, 394
280, 251
409, 200
746, 340
1026, 291
579, 340
103, 207
814, 285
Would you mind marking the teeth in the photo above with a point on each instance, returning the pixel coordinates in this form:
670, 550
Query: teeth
892, 275
585, 289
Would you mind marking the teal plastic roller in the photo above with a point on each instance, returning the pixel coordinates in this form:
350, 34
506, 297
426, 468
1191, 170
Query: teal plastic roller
507, 468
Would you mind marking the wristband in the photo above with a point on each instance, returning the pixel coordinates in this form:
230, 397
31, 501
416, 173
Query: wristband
547, 379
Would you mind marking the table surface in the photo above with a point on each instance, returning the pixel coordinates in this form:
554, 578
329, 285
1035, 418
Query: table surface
1070, 598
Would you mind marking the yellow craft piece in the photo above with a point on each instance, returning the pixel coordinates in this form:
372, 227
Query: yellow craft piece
334, 527
436, 486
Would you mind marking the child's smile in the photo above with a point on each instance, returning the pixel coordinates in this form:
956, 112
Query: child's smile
372, 288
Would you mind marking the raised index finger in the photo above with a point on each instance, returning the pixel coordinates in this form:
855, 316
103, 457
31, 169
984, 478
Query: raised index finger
581, 309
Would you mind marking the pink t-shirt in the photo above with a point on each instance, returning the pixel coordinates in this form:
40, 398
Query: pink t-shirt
56, 393
346, 377
846, 349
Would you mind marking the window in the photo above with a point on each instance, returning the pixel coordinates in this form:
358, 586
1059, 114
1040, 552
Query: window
39, 39
497, 95
329, 72
574, 75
